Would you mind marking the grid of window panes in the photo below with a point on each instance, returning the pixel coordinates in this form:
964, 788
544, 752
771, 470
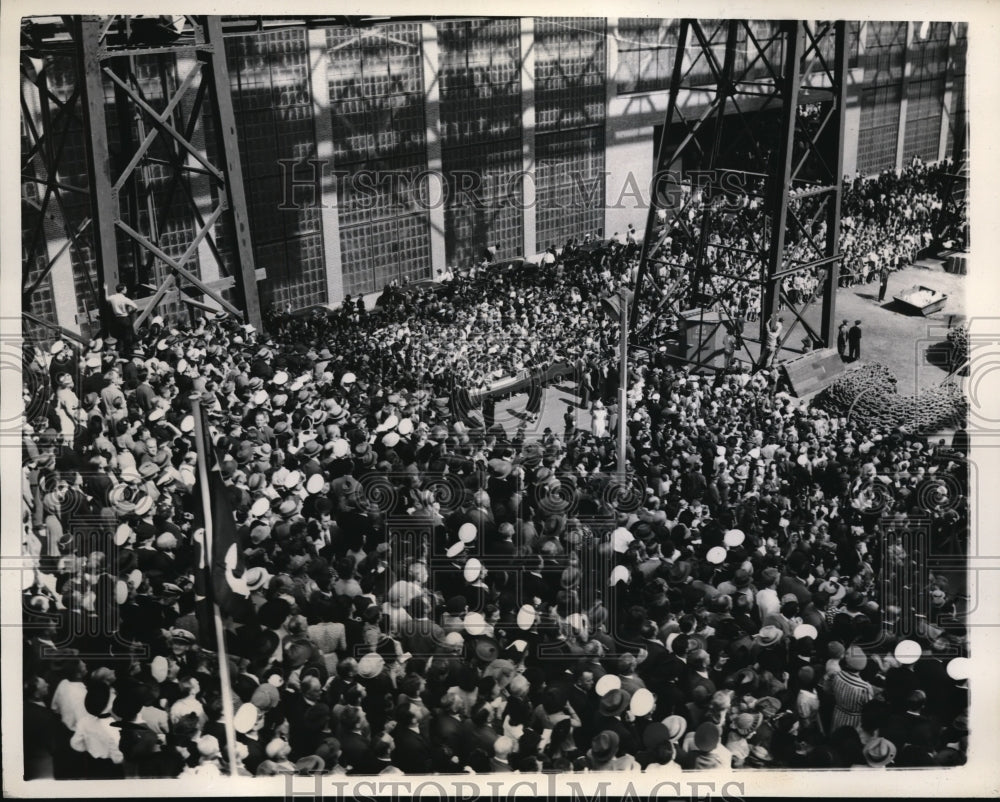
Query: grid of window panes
570, 72
570, 97
480, 81
646, 52
570, 186
484, 201
480, 94
884, 59
957, 112
375, 78
375, 84
269, 77
925, 90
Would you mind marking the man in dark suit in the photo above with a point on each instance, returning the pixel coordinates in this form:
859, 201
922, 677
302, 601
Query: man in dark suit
883, 283
609, 717
355, 748
420, 635
446, 726
842, 339
652, 670
911, 726
412, 754
44, 734
854, 342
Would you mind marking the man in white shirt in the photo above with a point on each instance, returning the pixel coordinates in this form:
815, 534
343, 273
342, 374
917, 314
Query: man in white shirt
95, 734
122, 308
70, 694
768, 603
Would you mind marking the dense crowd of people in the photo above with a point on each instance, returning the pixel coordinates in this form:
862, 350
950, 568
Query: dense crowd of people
887, 220
427, 592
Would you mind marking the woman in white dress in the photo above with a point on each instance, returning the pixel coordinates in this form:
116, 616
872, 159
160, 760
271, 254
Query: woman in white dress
67, 408
599, 420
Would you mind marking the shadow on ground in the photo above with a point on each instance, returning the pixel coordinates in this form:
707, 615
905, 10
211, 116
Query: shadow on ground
939, 355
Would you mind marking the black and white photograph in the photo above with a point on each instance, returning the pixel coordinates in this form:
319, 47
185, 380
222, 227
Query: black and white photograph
467, 406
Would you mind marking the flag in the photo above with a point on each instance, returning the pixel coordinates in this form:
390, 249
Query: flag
203, 608
219, 579
220, 568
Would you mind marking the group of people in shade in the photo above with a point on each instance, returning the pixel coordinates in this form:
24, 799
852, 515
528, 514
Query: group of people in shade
425, 590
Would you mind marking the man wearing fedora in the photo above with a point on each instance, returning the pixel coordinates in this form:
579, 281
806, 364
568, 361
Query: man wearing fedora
610, 712
605, 754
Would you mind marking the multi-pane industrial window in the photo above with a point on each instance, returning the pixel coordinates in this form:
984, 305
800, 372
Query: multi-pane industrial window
884, 59
647, 49
569, 198
484, 201
269, 76
570, 76
569, 72
480, 83
879, 130
646, 52
375, 80
925, 90
480, 92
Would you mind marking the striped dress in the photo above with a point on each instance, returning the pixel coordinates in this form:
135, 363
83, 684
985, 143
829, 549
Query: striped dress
850, 693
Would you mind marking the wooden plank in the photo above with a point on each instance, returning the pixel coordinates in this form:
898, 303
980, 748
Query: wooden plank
219, 285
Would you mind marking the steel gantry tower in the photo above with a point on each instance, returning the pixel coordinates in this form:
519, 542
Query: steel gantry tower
141, 162
747, 187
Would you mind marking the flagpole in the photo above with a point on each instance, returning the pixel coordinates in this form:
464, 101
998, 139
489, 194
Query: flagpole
206, 503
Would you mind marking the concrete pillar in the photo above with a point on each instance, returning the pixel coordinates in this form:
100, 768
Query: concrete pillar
436, 187
529, 219
903, 89
611, 92
329, 220
949, 94
852, 121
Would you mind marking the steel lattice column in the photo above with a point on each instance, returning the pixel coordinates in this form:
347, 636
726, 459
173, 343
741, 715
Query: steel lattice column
740, 207
106, 49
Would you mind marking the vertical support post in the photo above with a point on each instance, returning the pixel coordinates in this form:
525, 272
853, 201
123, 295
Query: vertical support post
780, 186
327, 199
949, 92
225, 127
623, 393
103, 204
835, 152
904, 89
610, 93
435, 171
530, 244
